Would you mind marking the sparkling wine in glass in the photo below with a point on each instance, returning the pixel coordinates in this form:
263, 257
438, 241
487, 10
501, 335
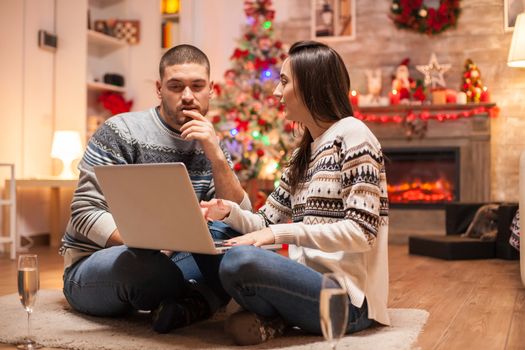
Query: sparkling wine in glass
333, 308
28, 285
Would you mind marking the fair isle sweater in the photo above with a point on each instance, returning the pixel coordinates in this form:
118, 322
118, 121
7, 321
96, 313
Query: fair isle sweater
337, 221
129, 138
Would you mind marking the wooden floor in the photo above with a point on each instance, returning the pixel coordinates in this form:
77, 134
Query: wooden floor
476, 304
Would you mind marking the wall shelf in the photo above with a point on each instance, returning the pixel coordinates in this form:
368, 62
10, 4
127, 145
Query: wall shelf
170, 16
103, 3
102, 44
96, 86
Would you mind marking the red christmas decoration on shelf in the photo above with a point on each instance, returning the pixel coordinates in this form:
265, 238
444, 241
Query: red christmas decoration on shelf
425, 115
115, 103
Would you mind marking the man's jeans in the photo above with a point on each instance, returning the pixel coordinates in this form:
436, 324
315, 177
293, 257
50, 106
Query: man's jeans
117, 280
271, 285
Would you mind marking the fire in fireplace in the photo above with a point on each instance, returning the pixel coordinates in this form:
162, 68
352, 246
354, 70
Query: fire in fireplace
422, 176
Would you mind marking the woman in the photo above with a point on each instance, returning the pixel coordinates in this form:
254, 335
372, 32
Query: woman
331, 207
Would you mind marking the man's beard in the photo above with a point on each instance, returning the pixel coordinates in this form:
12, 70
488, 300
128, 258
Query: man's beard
176, 116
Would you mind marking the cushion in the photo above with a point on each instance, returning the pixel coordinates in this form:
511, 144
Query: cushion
452, 247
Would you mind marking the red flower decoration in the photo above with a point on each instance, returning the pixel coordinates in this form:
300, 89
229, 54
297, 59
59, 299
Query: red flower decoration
260, 152
115, 102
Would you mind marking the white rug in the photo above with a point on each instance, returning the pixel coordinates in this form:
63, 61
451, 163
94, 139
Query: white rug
55, 325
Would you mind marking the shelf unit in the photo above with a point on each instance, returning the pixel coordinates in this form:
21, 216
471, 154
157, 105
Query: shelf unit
105, 54
10, 202
95, 86
103, 43
170, 30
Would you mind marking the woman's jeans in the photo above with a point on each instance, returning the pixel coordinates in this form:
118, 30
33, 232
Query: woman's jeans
117, 280
271, 285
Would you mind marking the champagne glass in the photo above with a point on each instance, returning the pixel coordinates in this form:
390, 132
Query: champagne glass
333, 308
28, 285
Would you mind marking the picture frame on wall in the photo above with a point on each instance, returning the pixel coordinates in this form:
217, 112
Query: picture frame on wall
333, 20
511, 10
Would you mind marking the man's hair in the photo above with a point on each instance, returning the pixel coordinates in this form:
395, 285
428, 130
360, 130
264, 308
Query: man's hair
181, 54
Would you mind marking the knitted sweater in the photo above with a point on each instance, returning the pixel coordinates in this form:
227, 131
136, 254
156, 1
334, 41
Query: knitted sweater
337, 220
129, 138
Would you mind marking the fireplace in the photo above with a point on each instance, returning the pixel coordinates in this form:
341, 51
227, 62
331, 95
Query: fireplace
423, 177
448, 162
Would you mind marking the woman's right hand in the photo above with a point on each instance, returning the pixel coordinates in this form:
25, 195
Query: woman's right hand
215, 209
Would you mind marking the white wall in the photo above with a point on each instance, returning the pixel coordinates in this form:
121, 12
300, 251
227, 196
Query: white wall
26, 101
11, 83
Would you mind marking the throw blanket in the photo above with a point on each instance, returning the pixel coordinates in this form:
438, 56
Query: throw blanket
514, 239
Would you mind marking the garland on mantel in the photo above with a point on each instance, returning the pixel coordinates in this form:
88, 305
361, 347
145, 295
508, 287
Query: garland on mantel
425, 115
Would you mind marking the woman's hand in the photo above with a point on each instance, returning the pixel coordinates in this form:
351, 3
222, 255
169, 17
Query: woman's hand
256, 238
216, 209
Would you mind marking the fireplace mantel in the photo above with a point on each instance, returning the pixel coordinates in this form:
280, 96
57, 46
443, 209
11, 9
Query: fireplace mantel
405, 109
471, 135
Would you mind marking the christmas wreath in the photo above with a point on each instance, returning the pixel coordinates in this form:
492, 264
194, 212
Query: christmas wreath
416, 15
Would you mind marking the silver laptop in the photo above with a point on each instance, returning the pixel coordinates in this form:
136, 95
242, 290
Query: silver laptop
155, 207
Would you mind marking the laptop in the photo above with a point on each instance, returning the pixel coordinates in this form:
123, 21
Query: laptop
155, 207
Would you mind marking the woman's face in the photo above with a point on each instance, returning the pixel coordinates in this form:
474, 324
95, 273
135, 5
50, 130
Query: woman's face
287, 94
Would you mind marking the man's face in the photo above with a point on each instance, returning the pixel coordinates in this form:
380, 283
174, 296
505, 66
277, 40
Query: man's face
184, 86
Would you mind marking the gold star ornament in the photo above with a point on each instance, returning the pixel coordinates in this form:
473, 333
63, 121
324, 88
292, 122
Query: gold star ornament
433, 72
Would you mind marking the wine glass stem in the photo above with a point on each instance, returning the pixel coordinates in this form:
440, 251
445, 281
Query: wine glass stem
28, 325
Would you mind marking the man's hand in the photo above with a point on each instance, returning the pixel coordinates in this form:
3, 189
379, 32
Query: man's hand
215, 209
201, 129
256, 238
114, 239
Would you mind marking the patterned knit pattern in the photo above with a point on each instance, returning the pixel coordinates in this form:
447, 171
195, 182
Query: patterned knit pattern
337, 219
130, 138
343, 182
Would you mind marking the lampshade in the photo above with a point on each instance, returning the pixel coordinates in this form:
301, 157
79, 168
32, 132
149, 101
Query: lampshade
67, 146
517, 46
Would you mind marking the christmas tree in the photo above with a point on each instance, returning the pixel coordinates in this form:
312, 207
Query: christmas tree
248, 118
472, 84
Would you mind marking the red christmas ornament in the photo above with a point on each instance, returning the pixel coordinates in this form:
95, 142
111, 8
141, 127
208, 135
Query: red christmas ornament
260, 152
237, 167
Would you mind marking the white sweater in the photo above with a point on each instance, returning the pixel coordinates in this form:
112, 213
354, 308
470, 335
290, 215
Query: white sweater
338, 218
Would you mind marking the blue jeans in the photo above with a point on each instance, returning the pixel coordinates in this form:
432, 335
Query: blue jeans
271, 285
117, 280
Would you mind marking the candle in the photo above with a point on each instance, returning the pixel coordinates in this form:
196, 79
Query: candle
461, 98
439, 97
485, 95
394, 97
354, 98
451, 96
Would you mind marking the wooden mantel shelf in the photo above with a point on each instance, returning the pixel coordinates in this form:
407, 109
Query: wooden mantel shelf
449, 107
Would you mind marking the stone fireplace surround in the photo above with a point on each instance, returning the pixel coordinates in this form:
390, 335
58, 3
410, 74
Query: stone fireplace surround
470, 135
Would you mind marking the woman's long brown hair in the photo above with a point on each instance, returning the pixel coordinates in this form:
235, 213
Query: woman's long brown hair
322, 83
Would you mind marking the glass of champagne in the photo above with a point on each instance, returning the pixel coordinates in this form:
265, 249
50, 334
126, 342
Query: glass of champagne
28, 285
333, 308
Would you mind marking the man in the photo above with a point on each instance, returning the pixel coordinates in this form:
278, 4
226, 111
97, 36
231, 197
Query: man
102, 276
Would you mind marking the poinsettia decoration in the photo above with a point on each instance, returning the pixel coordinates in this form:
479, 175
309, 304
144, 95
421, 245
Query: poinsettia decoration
115, 102
415, 15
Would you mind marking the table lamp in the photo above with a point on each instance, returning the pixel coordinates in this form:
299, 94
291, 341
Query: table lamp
517, 46
66, 147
